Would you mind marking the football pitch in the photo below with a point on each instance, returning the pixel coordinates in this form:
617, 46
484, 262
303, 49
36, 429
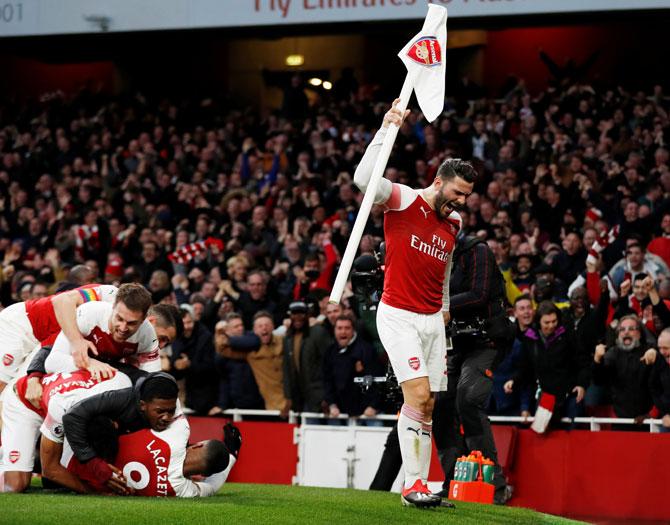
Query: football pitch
247, 503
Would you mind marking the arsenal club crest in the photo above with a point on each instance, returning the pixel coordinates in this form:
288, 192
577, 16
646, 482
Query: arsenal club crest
414, 363
7, 359
14, 456
426, 51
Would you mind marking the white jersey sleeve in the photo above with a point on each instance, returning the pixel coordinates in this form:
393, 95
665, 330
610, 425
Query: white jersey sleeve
363, 172
107, 293
88, 316
73, 391
177, 435
447, 273
401, 197
147, 357
60, 357
211, 485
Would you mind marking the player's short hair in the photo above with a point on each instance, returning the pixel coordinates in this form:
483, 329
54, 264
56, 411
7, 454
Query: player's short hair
103, 437
135, 296
452, 168
168, 315
158, 385
217, 457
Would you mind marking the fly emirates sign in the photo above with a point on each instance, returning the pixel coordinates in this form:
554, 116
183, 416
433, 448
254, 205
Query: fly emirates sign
42, 17
291, 11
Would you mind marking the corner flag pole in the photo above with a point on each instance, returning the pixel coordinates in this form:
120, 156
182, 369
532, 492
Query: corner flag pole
368, 199
423, 57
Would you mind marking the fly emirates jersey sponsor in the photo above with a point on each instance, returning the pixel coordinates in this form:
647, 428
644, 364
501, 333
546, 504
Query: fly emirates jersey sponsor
418, 250
141, 349
42, 316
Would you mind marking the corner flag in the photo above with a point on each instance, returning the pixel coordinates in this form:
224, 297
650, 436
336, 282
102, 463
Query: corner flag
424, 56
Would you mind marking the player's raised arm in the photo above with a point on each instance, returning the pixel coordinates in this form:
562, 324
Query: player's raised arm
65, 307
367, 164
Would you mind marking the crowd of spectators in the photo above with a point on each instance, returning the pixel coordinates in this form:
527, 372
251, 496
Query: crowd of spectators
240, 217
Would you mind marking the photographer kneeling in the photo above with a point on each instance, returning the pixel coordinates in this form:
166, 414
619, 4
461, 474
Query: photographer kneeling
480, 332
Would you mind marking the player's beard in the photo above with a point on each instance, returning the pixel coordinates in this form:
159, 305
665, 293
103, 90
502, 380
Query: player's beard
120, 336
444, 207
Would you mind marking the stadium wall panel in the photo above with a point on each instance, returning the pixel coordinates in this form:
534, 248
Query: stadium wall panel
616, 475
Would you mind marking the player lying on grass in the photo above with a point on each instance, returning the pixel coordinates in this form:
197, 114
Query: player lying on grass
22, 420
151, 403
160, 463
22, 415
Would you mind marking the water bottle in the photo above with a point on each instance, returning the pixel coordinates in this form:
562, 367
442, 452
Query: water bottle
487, 470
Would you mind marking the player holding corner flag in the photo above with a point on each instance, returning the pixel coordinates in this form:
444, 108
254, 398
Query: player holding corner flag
420, 228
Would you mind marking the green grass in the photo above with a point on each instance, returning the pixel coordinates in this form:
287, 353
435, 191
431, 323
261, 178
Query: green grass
245, 503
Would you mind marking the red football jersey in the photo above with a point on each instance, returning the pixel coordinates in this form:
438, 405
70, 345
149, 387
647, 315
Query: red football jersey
93, 320
42, 316
418, 248
144, 458
57, 384
152, 462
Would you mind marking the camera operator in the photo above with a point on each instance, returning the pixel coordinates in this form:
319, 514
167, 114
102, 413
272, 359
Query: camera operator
480, 331
367, 282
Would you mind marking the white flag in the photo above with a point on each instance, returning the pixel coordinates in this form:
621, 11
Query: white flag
424, 56
544, 413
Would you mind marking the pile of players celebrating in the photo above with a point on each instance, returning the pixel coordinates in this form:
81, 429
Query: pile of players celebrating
83, 392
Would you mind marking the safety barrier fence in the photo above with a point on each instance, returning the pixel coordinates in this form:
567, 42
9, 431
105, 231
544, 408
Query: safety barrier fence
592, 423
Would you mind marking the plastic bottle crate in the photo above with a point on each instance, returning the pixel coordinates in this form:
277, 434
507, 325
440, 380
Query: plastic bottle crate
473, 478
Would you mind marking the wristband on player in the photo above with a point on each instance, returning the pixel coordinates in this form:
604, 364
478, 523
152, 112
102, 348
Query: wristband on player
99, 470
38, 375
